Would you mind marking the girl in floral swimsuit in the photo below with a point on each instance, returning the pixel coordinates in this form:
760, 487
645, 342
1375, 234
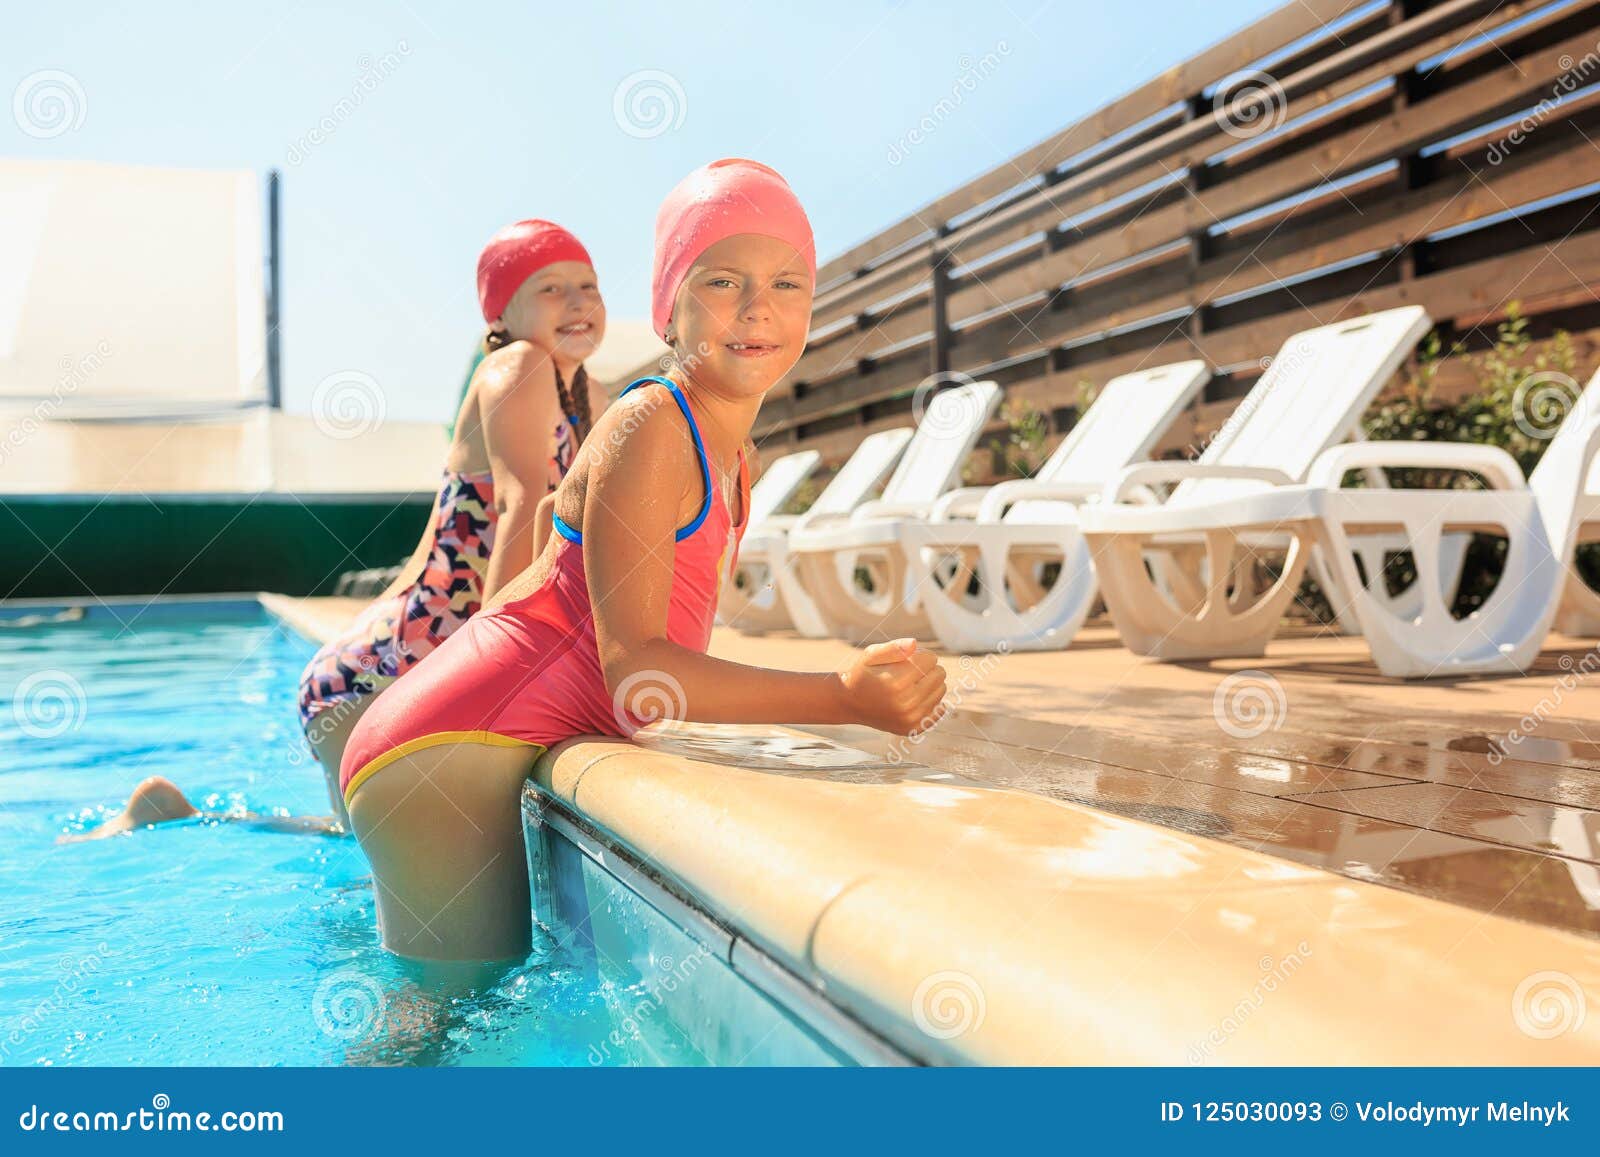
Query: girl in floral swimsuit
537, 288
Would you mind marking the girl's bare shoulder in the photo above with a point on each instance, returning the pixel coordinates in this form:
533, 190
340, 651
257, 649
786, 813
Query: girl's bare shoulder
644, 427
511, 366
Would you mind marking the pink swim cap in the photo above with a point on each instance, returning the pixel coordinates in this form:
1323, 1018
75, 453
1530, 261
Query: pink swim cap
717, 201
515, 254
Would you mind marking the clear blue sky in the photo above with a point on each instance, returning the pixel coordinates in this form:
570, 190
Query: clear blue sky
487, 113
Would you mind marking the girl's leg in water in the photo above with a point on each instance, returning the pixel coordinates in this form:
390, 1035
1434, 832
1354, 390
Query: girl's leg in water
155, 801
158, 800
442, 828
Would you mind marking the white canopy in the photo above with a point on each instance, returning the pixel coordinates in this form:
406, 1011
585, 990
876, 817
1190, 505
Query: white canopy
130, 290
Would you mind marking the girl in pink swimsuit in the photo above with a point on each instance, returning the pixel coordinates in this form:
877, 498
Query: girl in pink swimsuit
609, 627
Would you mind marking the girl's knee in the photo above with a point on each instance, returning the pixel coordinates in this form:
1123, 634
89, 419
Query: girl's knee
157, 800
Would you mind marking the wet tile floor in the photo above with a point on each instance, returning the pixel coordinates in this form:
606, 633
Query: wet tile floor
1389, 788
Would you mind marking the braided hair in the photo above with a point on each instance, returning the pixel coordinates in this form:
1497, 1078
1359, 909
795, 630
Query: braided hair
574, 403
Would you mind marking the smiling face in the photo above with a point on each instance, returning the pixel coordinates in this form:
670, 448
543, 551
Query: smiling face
742, 314
559, 309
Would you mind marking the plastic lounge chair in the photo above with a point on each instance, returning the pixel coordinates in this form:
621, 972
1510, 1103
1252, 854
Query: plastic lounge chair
1005, 534
1310, 398
765, 594
1543, 518
1281, 475
826, 551
777, 485
1505, 633
1579, 610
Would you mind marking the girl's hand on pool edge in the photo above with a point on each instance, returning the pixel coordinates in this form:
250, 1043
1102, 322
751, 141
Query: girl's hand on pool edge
895, 687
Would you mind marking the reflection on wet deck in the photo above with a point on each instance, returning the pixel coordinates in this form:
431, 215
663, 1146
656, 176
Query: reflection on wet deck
1515, 856
1390, 788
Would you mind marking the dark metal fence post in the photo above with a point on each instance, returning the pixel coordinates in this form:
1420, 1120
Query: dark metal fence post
274, 294
938, 300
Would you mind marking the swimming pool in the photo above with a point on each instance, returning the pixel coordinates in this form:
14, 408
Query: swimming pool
214, 943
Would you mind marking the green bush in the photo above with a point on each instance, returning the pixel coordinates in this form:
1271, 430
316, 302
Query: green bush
1016, 451
1500, 411
807, 492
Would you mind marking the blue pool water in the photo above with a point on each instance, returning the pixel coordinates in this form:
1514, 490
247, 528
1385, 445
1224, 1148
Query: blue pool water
208, 942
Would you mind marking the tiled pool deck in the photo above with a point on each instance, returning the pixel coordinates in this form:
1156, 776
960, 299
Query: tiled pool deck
1417, 786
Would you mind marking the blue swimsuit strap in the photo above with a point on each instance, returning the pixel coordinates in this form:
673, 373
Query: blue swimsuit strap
571, 535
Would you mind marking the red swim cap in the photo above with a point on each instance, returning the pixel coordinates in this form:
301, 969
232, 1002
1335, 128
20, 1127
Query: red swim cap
718, 201
515, 254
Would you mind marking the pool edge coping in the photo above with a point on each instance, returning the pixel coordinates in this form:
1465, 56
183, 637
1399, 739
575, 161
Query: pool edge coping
949, 928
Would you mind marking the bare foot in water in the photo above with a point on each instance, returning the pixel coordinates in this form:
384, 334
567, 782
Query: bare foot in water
158, 800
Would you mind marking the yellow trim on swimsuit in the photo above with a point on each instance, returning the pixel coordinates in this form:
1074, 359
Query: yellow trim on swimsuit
377, 764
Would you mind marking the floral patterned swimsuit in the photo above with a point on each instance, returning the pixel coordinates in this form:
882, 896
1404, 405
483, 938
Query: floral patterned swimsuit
395, 633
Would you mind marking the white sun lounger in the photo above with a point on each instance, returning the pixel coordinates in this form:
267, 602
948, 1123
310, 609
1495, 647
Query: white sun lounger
765, 594
1570, 454
1543, 519
1292, 486
826, 551
777, 485
1005, 533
